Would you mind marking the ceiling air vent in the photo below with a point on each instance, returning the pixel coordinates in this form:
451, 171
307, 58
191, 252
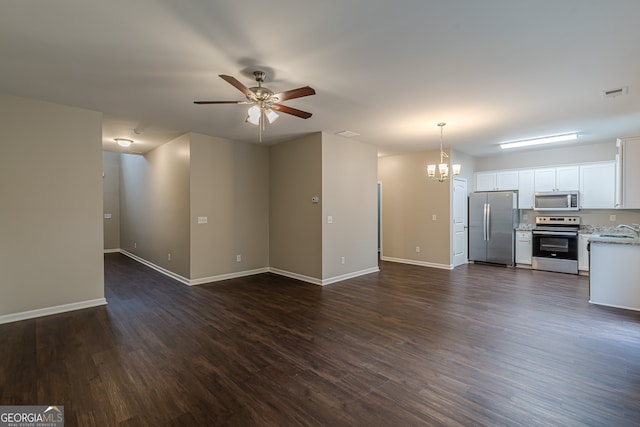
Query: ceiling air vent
348, 133
612, 93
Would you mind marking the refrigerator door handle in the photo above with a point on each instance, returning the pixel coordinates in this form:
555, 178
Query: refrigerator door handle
488, 221
484, 222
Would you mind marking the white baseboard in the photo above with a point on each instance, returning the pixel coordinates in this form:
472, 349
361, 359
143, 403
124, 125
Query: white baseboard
15, 317
227, 276
194, 282
159, 269
420, 263
323, 282
301, 277
349, 275
112, 251
211, 279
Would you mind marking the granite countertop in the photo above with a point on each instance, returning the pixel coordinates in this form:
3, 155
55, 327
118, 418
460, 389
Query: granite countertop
625, 236
624, 239
524, 227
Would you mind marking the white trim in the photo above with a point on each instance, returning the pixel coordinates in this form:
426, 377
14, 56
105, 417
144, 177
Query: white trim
159, 269
112, 251
297, 276
420, 263
349, 275
194, 282
614, 306
24, 315
227, 276
323, 282
211, 279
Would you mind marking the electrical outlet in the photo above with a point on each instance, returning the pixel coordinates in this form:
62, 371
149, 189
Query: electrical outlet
433, 217
525, 217
342, 260
417, 248
612, 217
169, 257
329, 219
135, 245
238, 258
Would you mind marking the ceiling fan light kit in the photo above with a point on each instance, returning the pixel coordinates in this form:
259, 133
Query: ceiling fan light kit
264, 101
442, 167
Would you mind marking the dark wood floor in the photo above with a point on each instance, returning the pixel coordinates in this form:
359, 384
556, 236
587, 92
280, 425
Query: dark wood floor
479, 345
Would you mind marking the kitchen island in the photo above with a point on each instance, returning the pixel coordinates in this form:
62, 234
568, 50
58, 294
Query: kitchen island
614, 278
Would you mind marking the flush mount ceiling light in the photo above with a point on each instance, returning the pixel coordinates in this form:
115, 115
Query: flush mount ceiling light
123, 142
443, 168
542, 140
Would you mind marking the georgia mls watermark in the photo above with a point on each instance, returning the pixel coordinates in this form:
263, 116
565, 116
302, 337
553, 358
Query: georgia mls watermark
31, 416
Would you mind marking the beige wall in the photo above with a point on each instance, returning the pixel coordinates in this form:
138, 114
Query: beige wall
468, 164
51, 206
154, 206
349, 195
409, 200
550, 157
111, 199
295, 226
230, 186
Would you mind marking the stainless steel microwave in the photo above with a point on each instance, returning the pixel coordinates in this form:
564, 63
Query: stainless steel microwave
556, 201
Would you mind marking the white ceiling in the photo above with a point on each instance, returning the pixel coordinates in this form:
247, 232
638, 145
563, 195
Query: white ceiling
494, 70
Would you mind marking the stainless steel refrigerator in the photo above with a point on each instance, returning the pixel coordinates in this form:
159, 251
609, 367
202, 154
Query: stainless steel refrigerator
492, 222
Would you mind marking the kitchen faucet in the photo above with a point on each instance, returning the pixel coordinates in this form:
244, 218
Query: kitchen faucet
636, 228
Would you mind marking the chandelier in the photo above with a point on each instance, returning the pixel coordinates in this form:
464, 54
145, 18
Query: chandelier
442, 167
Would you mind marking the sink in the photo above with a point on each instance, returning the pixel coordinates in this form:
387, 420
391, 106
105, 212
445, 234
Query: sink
616, 236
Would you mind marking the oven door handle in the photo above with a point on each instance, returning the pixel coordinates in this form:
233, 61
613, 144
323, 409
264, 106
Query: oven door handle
556, 233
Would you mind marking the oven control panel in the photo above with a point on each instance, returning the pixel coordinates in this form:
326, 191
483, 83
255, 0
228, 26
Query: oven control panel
558, 220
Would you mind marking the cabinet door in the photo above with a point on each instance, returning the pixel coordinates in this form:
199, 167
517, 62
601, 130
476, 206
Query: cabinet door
597, 185
544, 179
525, 189
523, 247
629, 173
485, 181
568, 178
583, 253
507, 180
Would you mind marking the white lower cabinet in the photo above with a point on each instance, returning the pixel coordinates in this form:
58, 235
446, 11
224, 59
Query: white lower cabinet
523, 247
583, 253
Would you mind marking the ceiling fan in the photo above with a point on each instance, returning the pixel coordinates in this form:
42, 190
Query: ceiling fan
264, 102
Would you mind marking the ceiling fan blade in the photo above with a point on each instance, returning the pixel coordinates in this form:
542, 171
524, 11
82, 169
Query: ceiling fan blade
219, 102
235, 83
295, 93
289, 110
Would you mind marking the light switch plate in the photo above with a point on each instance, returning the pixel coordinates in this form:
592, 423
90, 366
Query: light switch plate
202, 220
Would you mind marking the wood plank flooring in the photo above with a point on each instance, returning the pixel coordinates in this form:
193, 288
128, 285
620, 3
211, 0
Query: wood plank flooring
476, 346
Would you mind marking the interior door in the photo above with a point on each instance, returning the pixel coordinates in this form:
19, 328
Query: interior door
459, 221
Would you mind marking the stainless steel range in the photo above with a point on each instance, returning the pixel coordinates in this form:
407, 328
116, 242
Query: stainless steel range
555, 244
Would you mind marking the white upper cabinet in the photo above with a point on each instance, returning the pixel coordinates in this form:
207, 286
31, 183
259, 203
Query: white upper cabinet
562, 178
597, 185
525, 189
628, 173
497, 180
